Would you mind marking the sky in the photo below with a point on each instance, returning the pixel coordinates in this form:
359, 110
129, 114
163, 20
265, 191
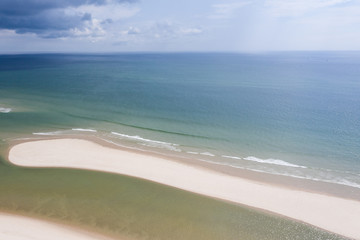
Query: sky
176, 26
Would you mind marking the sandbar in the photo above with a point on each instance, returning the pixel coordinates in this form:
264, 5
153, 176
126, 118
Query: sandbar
332, 213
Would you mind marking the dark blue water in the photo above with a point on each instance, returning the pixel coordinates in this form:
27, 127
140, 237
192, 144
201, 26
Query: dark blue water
295, 114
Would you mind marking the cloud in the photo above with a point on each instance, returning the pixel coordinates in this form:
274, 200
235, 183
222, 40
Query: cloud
31, 7
54, 18
227, 10
294, 8
190, 31
168, 29
154, 32
112, 11
133, 30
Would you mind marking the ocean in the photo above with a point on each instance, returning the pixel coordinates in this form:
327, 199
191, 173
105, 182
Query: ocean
295, 114
289, 113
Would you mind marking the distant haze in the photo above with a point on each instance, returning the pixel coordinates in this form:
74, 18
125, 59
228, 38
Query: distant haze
163, 26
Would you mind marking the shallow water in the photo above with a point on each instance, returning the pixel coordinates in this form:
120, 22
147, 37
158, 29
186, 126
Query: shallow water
120, 207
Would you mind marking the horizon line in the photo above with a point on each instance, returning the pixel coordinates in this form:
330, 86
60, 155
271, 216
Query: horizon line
168, 52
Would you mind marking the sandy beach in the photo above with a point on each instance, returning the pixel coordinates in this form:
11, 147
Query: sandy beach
14, 227
334, 214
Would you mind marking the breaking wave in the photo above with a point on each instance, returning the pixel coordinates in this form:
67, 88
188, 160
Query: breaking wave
5, 110
49, 133
207, 154
148, 142
273, 161
84, 130
267, 161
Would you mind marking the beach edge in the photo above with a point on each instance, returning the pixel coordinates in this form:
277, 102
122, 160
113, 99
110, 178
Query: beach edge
311, 208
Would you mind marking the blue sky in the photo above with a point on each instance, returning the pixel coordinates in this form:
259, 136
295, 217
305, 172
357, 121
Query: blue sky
160, 25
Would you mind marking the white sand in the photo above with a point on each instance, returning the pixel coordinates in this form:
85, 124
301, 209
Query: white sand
22, 228
334, 214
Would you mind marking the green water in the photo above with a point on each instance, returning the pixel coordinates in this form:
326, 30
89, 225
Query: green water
120, 206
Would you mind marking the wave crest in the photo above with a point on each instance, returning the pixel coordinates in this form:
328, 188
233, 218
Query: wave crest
5, 110
207, 154
273, 161
84, 129
149, 142
232, 157
48, 133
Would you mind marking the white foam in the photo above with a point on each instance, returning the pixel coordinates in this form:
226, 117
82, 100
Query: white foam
64, 132
273, 161
21, 139
5, 110
149, 142
347, 183
340, 181
49, 133
136, 137
164, 146
123, 146
173, 147
84, 130
207, 154
232, 157
193, 152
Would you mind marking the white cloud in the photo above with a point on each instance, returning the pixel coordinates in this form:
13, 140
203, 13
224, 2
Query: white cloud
321, 25
7, 33
93, 31
161, 31
101, 17
168, 29
130, 31
293, 8
63, 19
115, 12
227, 10
190, 31
133, 30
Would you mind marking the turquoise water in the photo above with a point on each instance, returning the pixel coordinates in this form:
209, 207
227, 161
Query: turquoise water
294, 114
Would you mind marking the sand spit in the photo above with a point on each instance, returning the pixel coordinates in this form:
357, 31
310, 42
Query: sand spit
334, 214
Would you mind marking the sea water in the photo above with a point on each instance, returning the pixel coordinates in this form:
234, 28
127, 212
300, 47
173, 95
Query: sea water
293, 113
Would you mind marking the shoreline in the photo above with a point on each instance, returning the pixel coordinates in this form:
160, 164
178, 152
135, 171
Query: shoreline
306, 206
293, 183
